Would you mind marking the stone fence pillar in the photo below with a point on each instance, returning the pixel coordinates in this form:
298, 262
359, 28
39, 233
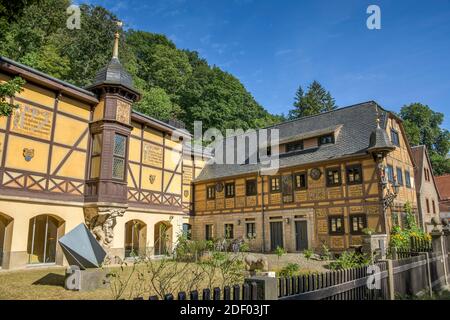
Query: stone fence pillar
267, 288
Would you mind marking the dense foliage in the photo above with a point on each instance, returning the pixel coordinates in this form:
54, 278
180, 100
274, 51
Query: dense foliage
316, 100
423, 127
7, 90
175, 83
401, 237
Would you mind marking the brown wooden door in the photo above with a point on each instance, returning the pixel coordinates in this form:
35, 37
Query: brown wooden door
301, 235
276, 235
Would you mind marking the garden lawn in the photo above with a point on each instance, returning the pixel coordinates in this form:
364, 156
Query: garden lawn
43, 284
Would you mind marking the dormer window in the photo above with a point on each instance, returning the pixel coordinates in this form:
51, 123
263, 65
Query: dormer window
395, 138
326, 139
294, 146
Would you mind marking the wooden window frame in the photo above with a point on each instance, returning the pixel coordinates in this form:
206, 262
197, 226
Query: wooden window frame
272, 190
320, 143
209, 237
333, 184
360, 215
298, 174
120, 157
400, 180
389, 176
330, 231
347, 174
394, 133
227, 195
225, 231
247, 230
213, 194
295, 146
408, 179
251, 194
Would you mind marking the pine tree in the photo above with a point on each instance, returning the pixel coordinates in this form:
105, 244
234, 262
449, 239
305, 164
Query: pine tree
315, 101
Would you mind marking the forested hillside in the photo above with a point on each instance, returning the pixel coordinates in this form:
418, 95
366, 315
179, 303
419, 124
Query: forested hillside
175, 83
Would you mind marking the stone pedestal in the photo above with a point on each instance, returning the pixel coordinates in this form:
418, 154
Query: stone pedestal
375, 245
85, 280
436, 241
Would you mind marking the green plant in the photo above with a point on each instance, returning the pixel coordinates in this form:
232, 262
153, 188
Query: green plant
326, 253
279, 251
401, 237
368, 231
308, 253
349, 260
289, 270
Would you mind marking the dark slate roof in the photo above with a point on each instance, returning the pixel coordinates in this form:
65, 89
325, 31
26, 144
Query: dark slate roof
113, 74
418, 153
355, 124
379, 141
42, 74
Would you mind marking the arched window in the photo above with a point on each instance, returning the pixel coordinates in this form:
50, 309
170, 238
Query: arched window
42, 239
135, 238
163, 238
4, 223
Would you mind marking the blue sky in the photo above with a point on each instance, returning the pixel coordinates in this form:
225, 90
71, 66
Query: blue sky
275, 46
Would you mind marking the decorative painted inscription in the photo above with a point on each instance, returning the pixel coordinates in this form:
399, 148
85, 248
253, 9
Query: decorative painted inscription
123, 112
251, 201
32, 121
316, 194
337, 243
355, 191
334, 193
240, 202
187, 175
335, 210
322, 226
153, 155
372, 210
356, 209
301, 196
320, 213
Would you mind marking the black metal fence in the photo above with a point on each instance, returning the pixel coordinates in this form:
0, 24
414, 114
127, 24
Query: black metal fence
247, 291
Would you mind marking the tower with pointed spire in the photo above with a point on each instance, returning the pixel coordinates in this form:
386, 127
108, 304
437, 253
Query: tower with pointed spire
110, 127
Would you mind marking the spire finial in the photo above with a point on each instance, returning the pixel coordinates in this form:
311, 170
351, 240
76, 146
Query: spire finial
116, 40
378, 117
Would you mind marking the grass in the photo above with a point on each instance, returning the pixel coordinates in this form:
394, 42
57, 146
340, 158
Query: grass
43, 284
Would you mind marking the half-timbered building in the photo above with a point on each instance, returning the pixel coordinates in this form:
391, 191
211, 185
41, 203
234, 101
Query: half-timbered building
328, 189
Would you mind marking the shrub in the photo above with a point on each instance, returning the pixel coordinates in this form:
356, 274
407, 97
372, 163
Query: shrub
401, 238
308, 253
349, 260
290, 270
326, 253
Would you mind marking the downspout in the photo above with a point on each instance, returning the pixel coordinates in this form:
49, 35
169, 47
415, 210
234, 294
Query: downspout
263, 214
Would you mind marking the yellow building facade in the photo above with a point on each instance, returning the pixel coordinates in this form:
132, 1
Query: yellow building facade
71, 156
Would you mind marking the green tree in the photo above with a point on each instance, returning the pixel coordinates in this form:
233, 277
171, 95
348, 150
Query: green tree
7, 90
156, 103
316, 100
423, 127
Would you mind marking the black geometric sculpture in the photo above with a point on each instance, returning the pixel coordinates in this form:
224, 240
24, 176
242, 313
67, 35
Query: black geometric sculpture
82, 249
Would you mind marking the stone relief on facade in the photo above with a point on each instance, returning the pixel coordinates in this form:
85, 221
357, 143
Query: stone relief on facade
101, 222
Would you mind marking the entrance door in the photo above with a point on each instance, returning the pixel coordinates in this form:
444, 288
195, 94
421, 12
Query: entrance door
276, 235
301, 235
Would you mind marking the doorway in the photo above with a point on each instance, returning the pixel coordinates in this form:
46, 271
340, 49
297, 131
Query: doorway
301, 235
276, 235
